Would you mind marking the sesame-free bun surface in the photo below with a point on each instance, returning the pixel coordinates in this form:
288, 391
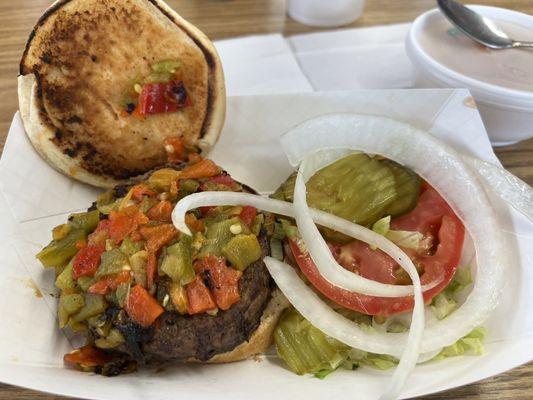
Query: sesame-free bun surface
81, 56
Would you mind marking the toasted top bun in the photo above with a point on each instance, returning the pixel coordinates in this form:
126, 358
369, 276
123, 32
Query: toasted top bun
79, 59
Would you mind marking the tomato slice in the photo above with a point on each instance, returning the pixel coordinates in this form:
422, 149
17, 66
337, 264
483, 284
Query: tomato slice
141, 307
376, 265
87, 261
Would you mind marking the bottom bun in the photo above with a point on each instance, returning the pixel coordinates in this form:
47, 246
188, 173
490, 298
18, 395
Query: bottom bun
261, 339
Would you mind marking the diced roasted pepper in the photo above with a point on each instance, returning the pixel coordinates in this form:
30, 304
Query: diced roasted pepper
141, 307
161, 212
140, 190
220, 279
157, 236
175, 149
86, 261
242, 250
110, 282
87, 356
199, 296
151, 270
203, 169
60, 251
248, 214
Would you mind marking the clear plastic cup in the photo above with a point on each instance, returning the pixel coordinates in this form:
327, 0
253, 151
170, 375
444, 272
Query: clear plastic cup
325, 13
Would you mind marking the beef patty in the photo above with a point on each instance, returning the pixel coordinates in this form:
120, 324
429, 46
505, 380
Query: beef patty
180, 337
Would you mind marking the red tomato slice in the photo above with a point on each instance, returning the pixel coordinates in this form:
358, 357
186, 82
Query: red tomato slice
87, 261
376, 265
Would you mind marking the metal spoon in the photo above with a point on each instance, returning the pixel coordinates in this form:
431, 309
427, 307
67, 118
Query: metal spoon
478, 27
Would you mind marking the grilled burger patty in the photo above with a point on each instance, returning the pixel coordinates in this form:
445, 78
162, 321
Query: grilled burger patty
202, 336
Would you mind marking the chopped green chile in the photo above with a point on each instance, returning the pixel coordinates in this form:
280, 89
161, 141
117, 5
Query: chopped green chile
166, 66
59, 252
121, 294
129, 247
112, 262
112, 340
85, 282
177, 262
276, 249
138, 266
86, 221
159, 77
219, 233
189, 185
242, 250
69, 304
64, 280
94, 305
105, 203
257, 224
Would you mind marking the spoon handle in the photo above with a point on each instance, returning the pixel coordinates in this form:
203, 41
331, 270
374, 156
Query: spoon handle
522, 44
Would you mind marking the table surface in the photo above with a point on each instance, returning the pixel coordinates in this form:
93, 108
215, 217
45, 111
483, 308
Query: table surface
229, 18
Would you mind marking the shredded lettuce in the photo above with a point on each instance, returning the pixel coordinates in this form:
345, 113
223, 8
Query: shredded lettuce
406, 239
446, 302
470, 344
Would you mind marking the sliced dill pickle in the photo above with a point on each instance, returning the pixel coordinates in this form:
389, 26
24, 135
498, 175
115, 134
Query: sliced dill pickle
357, 188
285, 191
304, 348
407, 187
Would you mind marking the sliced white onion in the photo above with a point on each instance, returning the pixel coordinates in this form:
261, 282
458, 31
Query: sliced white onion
445, 170
510, 188
364, 286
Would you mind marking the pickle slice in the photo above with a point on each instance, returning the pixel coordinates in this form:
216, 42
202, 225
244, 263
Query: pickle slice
357, 188
407, 187
304, 348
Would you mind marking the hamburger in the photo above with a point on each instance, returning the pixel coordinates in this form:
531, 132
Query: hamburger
142, 292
